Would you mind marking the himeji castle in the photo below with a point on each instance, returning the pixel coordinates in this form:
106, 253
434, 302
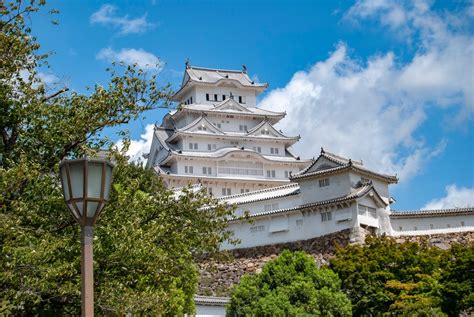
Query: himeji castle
220, 141
218, 138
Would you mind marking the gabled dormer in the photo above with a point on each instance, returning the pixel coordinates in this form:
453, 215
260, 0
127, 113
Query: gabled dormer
231, 105
265, 129
201, 125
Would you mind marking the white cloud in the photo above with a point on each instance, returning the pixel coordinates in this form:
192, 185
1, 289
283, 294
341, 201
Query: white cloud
48, 78
456, 197
142, 58
372, 109
139, 147
106, 15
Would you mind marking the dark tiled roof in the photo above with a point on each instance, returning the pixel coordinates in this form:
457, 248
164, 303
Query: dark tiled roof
431, 212
211, 300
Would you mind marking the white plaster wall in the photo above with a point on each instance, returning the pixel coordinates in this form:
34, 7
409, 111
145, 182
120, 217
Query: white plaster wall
339, 185
423, 223
203, 310
250, 94
311, 227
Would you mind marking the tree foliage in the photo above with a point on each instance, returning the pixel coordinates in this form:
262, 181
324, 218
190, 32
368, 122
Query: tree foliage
290, 285
409, 279
147, 239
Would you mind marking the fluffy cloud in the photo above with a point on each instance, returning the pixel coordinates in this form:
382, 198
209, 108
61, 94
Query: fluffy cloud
107, 16
456, 197
372, 109
139, 147
142, 58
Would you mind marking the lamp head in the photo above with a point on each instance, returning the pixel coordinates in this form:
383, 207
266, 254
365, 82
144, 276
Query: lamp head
86, 186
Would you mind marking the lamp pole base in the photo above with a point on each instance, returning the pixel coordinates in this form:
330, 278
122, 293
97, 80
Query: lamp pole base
87, 271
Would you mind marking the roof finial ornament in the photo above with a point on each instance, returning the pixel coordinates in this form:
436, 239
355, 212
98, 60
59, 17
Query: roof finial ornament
322, 150
231, 96
187, 63
350, 162
244, 69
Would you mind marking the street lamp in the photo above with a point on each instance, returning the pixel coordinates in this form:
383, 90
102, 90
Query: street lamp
86, 186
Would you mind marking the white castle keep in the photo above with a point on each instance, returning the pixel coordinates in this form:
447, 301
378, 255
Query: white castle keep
219, 140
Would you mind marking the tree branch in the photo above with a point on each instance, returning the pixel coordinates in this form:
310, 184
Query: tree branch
55, 94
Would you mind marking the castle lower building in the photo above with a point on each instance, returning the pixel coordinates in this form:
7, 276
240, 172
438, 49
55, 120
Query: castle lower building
217, 137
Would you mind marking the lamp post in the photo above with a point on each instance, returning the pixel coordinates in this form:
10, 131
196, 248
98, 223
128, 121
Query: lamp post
86, 187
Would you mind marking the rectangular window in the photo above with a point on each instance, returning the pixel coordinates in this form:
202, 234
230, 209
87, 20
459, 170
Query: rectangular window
272, 151
204, 170
209, 147
242, 190
213, 146
207, 97
191, 100
299, 223
256, 229
215, 97
190, 146
209, 171
240, 99
276, 150
372, 212
219, 125
462, 223
271, 173
226, 192
324, 182
326, 216
195, 146
188, 169
223, 97
286, 174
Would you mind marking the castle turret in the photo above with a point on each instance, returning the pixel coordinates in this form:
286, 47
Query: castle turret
218, 137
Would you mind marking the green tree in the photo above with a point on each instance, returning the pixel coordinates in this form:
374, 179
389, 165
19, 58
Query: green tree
457, 279
290, 285
409, 279
147, 239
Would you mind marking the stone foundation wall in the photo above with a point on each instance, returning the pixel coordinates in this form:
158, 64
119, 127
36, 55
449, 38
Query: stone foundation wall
218, 277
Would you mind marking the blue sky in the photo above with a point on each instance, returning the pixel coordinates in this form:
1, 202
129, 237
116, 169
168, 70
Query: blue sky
390, 83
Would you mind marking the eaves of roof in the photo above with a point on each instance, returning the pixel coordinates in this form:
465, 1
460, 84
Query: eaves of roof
432, 213
352, 196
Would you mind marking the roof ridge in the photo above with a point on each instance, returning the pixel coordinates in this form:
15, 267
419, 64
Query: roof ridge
217, 69
433, 210
339, 157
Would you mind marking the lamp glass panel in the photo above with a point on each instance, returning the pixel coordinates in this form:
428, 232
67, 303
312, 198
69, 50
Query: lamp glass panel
74, 212
65, 182
108, 178
91, 209
80, 206
94, 179
76, 172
